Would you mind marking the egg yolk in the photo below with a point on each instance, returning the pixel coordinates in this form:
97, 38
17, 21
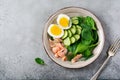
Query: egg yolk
64, 22
56, 30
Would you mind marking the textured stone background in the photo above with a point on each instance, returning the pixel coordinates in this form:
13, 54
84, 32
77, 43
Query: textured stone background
21, 26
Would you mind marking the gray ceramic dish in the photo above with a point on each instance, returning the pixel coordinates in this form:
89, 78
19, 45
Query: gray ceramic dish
73, 11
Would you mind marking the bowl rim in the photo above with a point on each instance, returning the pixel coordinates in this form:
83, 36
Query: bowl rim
78, 8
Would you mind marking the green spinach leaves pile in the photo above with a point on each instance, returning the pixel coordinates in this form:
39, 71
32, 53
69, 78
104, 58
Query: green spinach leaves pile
88, 38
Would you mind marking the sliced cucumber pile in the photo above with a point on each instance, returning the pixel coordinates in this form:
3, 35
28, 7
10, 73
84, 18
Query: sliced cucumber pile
75, 20
71, 35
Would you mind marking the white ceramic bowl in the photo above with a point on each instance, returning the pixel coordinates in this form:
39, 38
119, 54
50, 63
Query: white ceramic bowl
73, 11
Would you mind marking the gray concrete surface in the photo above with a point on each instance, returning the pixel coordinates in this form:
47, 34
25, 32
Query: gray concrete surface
21, 26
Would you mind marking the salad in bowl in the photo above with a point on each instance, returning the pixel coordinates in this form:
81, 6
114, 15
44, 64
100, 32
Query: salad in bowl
72, 37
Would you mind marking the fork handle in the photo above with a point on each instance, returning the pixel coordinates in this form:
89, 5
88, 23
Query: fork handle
100, 69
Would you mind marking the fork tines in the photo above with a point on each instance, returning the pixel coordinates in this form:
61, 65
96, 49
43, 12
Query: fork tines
115, 46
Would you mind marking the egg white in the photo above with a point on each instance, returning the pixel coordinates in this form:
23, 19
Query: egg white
63, 15
54, 36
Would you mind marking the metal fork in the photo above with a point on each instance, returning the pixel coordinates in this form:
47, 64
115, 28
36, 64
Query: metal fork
111, 52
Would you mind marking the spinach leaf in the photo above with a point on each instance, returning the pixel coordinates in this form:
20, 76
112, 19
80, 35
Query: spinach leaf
70, 56
73, 47
71, 50
39, 61
93, 45
86, 34
90, 22
81, 19
95, 35
85, 26
88, 53
81, 48
88, 40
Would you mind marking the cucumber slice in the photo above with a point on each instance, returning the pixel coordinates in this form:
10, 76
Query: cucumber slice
65, 34
78, 31
78, 27
69, 33
73, 18
75, 21
77, 37
73, 29
67, 41
72, 39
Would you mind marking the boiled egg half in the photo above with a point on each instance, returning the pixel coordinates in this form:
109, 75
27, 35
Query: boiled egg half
55, 31
64, 21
